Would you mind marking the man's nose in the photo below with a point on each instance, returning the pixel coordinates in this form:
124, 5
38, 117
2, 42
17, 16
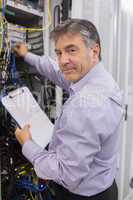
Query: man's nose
64, 59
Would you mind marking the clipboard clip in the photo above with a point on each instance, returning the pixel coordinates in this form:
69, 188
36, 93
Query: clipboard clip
15, 93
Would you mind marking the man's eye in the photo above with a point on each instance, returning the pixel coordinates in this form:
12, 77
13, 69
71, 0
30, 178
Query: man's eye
72, 50
58, 53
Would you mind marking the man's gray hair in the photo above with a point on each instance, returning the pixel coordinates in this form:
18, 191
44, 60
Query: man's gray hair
86, 29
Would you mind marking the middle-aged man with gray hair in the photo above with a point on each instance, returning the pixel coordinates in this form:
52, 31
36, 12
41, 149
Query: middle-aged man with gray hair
81, 160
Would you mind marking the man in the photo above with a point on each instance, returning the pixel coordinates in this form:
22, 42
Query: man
82, 156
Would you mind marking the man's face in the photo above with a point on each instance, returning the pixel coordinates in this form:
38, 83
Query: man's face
74, 58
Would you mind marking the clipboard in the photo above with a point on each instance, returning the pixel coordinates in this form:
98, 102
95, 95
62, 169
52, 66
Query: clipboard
23, 107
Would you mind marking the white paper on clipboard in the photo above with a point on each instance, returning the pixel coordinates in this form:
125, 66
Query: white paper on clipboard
21, 104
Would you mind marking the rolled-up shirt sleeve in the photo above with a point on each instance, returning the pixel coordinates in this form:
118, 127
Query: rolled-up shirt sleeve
47, 67
45, 162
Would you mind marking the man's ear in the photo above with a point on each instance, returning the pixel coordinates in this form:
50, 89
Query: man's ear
96, 51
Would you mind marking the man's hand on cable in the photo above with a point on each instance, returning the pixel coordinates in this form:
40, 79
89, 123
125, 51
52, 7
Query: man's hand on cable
23, 135
20, 49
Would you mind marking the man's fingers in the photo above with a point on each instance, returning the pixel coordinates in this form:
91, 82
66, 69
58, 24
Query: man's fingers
16, 47
16, 50
18, 130
27, 126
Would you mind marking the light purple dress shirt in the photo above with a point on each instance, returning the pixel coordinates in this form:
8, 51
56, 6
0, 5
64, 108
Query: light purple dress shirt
83, 152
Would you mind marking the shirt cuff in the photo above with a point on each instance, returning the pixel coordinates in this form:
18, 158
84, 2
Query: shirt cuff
30, 150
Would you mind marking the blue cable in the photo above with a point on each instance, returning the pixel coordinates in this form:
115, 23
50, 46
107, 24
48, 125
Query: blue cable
3, 8
24, 183
13, 70
14, 73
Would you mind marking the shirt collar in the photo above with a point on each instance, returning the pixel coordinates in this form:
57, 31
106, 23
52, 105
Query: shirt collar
74, 87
